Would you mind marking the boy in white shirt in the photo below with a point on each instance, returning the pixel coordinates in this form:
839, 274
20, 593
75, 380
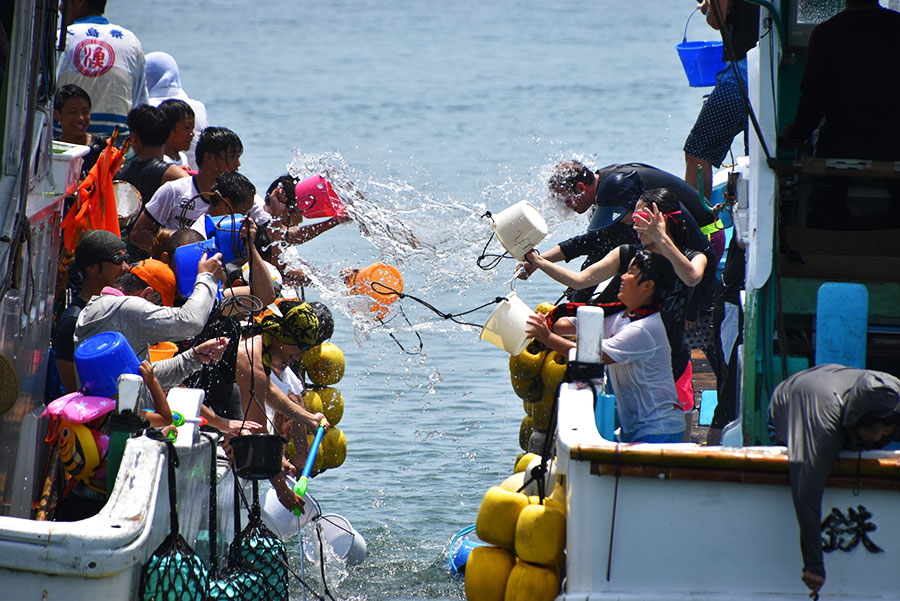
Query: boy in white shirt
635, 350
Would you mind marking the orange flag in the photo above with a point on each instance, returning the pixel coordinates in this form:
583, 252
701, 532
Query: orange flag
95, 204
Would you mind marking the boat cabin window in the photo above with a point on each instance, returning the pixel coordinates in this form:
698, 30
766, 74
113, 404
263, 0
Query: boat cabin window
804, 15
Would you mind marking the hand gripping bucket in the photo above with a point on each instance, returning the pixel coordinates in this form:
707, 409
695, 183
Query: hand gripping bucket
186, 260
701, 60
316, 198
226, 232
101, 359
519, 228
506, 325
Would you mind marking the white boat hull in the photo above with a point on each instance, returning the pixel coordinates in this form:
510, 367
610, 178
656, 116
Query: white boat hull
101, 557
694, 533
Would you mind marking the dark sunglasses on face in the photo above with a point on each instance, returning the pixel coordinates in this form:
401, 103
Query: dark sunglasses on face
118, 259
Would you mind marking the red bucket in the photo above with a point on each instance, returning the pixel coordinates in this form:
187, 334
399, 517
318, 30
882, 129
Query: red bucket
316, 198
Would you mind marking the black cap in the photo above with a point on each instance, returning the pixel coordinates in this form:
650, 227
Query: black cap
95, 247
617, 194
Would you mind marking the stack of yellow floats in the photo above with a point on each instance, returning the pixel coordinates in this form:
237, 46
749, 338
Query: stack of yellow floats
527, 541
324, 365
535, 375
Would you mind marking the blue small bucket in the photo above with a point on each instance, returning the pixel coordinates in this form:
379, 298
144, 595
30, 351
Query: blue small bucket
101, 359
701, 60
186, 260
226, 234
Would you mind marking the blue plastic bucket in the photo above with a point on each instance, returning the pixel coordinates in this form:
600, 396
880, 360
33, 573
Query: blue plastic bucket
101, 359
227, 237
605, 416
186, 260
701, 62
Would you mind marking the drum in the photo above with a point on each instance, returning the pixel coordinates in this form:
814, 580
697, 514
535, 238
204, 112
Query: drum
128, 203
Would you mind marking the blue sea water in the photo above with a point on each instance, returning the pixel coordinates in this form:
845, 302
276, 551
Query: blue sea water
433, 112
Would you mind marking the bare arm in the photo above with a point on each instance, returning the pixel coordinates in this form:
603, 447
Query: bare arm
525, 269
603, 269
711, 12
143, 232
174, 172
161, 415
689, 272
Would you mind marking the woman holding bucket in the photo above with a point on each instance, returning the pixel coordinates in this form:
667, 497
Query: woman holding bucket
635, 350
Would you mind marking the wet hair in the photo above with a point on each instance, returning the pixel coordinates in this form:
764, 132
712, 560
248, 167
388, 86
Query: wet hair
160, 243
149, 123
667, 202
656, 268
68, 92
288, 185
568, 174
216, 141
233, 187
131, 284
175, 110
326, 321
181, 238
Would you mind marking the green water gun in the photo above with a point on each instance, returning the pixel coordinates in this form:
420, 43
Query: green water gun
303, 481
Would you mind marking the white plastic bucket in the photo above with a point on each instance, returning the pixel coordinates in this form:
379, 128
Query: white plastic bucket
348, 544
506, 325
282, 521
520, 228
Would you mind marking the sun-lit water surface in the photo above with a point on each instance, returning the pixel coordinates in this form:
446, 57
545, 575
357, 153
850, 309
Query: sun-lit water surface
425, 115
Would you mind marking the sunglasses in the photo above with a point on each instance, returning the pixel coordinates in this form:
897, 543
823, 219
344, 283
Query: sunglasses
118, 259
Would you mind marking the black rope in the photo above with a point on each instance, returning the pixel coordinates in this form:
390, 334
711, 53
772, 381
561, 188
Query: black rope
612, 523
387, 290
240, 498
322, 559
575, 372
213, 506
394, 338
494, 258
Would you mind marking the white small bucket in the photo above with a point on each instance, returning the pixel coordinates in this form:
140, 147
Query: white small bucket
506, 325
348, 544
520, 228
281, 520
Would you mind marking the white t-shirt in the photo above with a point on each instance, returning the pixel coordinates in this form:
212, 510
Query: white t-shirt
108, 62
257, 213
646, 399
175, 205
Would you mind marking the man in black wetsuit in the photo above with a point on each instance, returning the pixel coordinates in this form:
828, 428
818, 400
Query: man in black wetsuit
581, 189
620, 185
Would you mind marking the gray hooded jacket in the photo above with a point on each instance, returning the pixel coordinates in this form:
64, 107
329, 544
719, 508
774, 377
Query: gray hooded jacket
815, 413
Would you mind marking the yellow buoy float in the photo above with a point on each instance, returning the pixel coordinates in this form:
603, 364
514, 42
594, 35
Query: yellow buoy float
324, 364
540, 534
529, 582
312, 401
487, 571
332, 404
497, 516
527, 364
553, 370
525, 431
333, 448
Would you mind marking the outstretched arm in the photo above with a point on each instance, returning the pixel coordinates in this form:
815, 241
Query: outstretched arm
603, 269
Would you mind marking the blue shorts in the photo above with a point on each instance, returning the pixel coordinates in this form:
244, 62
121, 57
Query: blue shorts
723, 116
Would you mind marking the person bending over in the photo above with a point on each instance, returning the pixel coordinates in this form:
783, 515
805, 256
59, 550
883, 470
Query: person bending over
635, 351
817, 413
